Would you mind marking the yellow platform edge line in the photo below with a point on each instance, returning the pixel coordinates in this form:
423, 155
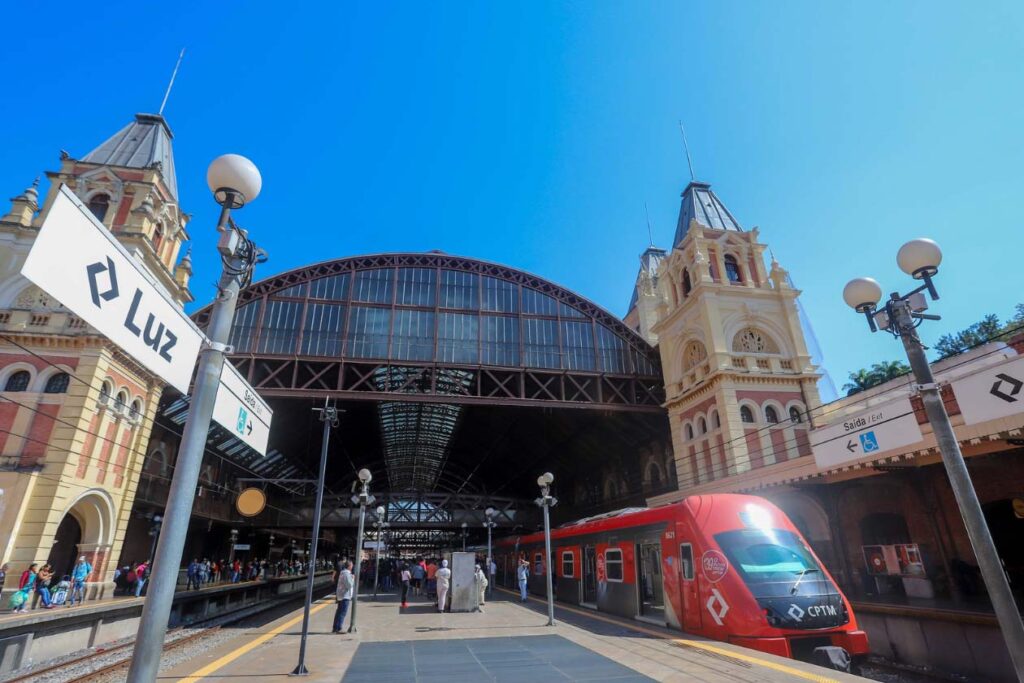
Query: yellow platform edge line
254, 643
750, 659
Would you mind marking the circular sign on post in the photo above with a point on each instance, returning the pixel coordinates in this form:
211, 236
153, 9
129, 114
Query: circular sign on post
251, 502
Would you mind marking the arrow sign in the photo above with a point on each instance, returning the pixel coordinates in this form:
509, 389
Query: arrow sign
870, 432
79, 263
241, 411
992, 392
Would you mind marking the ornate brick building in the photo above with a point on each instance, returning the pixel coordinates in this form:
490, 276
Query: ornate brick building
75, 412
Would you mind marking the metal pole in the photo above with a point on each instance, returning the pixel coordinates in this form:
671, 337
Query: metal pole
327, 416
178, 511
376, 561
363, 496
960, 480
547, 560
490, 577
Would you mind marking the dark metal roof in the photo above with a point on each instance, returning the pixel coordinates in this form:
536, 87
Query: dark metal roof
142, 143
701, 204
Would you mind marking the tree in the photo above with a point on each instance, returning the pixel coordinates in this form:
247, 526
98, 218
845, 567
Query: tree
859, 381
887, 370
987, 329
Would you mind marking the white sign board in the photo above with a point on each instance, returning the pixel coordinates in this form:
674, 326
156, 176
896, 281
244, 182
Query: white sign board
241, 411
243, 546
871, 432
79, 263
992, 393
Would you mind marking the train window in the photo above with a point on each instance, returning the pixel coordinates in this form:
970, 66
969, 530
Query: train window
567, 564
538, 564
613, 564
686, 560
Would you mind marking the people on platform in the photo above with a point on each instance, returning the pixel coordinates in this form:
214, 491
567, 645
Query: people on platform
419, 572
141, 576
3, 578
79, 574
42, 587
492, 571
346, 583
192, 575
523, 575
431, 579
480, 582
60, 593
26, 585
444, 577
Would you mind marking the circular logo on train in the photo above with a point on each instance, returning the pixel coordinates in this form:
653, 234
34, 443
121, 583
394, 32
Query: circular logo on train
714, 565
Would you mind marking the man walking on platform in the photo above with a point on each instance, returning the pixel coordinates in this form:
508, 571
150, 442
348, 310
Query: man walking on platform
346, 582
444, 577
78, 576
480, 580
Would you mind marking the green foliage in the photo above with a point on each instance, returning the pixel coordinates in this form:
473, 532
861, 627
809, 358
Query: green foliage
986, 329
879, 373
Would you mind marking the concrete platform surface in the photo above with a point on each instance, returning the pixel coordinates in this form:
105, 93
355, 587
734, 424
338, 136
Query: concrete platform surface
509, 641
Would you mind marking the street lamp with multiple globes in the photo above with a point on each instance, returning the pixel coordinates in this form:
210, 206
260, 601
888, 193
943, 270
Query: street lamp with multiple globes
234, 181
900, 316
547, 501
380, 525
490, 524
363, 498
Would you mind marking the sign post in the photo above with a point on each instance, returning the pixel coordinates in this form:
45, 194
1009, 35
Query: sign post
869, 432
240, 410
991, 393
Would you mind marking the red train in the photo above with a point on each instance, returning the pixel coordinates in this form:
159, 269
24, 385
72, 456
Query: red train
728, 567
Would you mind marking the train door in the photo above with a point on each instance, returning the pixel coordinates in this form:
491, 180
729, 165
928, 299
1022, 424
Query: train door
650, 588
590, 576
689, 588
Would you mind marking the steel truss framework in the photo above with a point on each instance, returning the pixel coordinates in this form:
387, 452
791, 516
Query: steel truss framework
420, 510
638, 388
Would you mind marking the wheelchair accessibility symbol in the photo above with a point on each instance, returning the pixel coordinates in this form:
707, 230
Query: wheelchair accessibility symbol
869, 442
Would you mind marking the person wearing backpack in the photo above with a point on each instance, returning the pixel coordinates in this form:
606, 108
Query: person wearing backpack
20, 600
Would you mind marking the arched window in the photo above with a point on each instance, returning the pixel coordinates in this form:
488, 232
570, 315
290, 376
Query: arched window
121, 402
753, 340
693, 355
57, 384
686, 283
135, 412
99, 205
746, 415
689, 432
771, 416
105, 390
716, 422
794, 415
732, 269
18, 381
703, 426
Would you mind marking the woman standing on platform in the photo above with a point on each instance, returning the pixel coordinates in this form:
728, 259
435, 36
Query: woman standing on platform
406, 580
42, 591
444, 577
26, 585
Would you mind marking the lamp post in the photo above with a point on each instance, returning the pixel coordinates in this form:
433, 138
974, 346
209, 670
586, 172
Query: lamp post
154, 531
900, 316
379, 524
546, 501
465, 532
363, 498
489, 523
234, 181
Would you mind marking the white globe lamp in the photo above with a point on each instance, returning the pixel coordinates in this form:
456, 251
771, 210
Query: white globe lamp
233, 180
862, 294
919, 258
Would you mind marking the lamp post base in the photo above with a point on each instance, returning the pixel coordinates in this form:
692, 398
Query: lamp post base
300, 670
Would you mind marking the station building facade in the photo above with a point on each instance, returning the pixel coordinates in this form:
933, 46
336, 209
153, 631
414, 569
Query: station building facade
75, 411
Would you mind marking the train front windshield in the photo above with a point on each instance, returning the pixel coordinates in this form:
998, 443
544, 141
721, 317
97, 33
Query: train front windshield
785, 579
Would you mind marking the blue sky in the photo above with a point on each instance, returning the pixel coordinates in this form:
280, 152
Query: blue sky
532, 134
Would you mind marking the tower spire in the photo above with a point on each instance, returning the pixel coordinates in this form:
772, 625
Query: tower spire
686, 146
170, 85
650, 233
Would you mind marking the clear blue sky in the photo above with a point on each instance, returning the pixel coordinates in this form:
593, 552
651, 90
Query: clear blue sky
532, 134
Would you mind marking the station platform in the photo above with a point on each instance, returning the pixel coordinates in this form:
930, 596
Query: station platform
509, 641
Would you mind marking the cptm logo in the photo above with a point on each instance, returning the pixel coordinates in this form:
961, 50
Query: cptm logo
714, 565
